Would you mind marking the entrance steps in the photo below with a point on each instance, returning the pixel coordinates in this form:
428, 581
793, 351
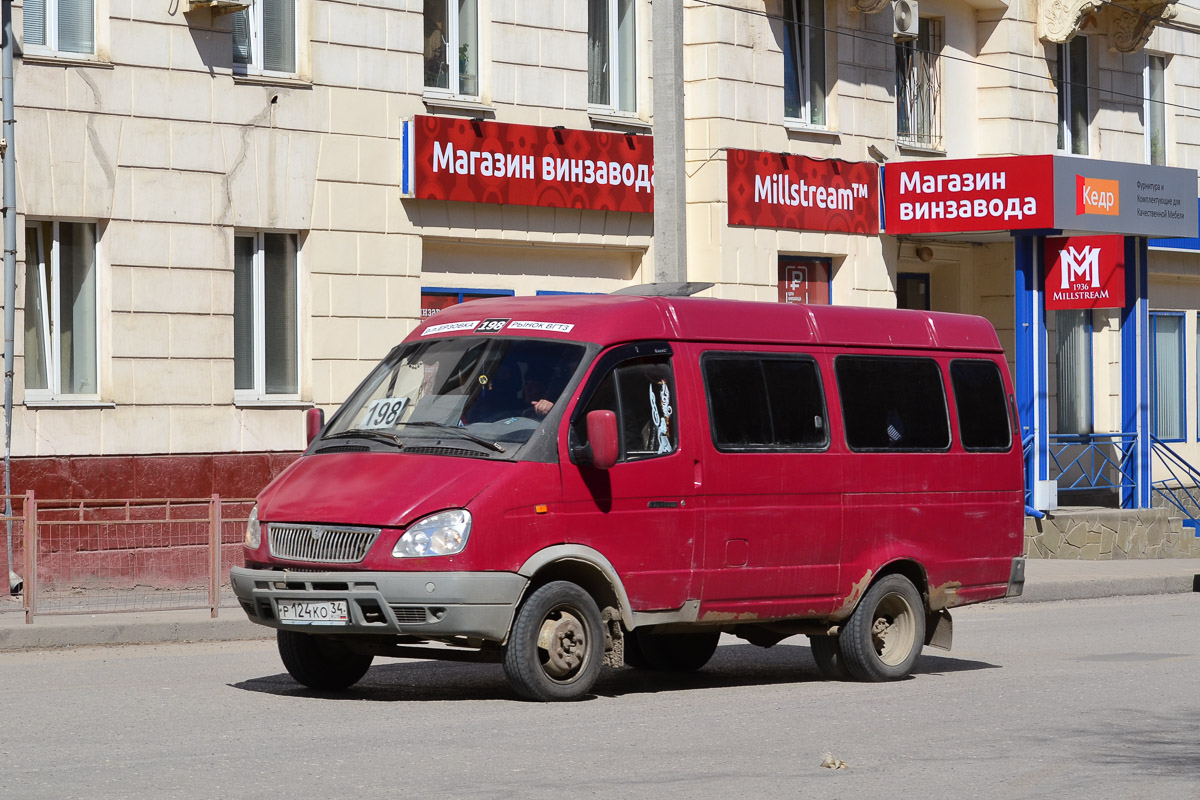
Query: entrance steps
1110, 534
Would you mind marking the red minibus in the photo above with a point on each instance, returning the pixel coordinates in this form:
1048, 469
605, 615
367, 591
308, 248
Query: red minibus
559, 484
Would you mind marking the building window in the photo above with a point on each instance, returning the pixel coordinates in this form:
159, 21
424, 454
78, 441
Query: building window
452, 46
1073, 369
67, 26
1167, 402
1156, 110
264, 36
434, 300
1072, 74
919, 86
612, 54
804, 61
266, 311
60, 309
912, 290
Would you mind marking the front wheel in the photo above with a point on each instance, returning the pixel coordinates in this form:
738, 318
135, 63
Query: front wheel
320, 662
884, 636
556, 646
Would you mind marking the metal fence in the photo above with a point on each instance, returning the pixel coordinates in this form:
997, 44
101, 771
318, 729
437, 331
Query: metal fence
97, 556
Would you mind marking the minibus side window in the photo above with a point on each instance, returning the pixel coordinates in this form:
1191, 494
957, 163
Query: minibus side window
979, 399
892, 403
642, 395
758, 402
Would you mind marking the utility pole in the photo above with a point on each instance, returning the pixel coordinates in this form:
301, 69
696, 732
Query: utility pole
670, 198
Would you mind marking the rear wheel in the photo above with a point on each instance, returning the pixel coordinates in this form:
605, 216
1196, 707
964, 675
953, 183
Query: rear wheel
675, 652
556, 646
827, 652
883, 637
320, 662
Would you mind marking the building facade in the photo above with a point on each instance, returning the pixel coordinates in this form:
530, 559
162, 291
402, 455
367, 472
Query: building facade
225, 216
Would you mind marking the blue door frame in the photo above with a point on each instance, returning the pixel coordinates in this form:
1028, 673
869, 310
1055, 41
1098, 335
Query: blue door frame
1032, 359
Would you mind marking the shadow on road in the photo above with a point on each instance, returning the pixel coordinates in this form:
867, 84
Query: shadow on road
735, 665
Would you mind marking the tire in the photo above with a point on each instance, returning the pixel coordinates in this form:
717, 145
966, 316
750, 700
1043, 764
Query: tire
678, 652
882, 639
827, 652
320, 662
556, 645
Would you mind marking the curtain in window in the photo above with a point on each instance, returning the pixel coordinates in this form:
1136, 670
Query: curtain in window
279, 312
243, 50
1168, 377
793, 62
34, 21
598, 86
76, 26
627, 54
243, 312
1074, 370
1156, 112
1077, 91
35, 311
815, 9
279, 35
77, 307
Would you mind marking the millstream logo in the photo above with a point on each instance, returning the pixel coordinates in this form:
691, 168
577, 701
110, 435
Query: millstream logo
1097, 196
1081, 265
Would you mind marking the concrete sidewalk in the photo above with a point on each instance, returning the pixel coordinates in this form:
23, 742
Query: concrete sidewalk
1045, 580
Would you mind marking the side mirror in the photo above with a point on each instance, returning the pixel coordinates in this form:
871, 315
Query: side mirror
314, 421
602, 438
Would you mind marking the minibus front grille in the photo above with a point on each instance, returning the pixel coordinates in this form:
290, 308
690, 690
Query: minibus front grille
319, 543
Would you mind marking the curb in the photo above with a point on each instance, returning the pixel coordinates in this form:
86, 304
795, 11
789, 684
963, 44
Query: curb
1097, 588
86, 631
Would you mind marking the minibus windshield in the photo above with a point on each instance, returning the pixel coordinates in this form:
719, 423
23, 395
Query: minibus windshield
489, 391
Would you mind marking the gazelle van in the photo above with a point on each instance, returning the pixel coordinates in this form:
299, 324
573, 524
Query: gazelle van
559, 484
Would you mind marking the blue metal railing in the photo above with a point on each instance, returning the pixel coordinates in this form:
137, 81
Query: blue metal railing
1175, 489
1094, 461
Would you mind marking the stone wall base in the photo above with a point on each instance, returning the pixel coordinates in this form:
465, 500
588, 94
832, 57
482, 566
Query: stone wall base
1109, 534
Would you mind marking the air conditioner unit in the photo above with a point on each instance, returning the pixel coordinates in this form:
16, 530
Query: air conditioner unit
905, 21
218, 7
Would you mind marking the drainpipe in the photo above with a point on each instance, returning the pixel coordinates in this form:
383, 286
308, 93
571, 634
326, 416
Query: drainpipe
7, 140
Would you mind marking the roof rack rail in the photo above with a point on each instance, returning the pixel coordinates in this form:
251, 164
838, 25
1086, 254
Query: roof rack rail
664, 289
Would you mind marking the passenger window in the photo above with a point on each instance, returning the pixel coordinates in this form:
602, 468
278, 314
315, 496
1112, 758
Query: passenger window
983, 422
758, 402
641, 393
892, 403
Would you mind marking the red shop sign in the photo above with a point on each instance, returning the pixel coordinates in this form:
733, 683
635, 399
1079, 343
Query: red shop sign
474, 161
973, 194
776, 190
1085, 272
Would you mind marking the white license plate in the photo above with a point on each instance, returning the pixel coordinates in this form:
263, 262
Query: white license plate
313, 612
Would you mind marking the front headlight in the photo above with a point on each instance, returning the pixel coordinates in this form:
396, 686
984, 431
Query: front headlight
442, 534
253, 530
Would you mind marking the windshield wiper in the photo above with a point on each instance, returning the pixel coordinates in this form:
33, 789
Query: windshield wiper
488, 443
378, 436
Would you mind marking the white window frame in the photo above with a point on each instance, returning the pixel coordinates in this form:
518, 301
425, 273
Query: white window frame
1067, 94
1148, 114
259, 393
51, 29
453, 44
615, 58
800, 38
254, 15
50, 261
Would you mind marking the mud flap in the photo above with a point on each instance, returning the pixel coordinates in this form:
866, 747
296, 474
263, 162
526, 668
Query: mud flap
614, 638
939, 629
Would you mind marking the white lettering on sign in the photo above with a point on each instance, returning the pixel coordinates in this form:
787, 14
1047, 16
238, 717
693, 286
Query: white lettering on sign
476, 162
917, 183
530, 325
1094, 197
446, 327
1081, 265
781, 190
1013, 208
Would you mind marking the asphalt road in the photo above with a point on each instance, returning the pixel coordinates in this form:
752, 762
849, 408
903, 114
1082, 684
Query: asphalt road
1093, 699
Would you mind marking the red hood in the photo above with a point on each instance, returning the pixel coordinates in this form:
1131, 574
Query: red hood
374, 489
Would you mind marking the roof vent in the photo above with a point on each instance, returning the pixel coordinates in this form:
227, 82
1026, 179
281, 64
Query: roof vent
664, 289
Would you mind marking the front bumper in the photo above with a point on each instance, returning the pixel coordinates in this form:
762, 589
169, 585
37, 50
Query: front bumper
431, 605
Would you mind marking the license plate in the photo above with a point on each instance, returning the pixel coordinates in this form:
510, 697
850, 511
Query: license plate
313, 612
